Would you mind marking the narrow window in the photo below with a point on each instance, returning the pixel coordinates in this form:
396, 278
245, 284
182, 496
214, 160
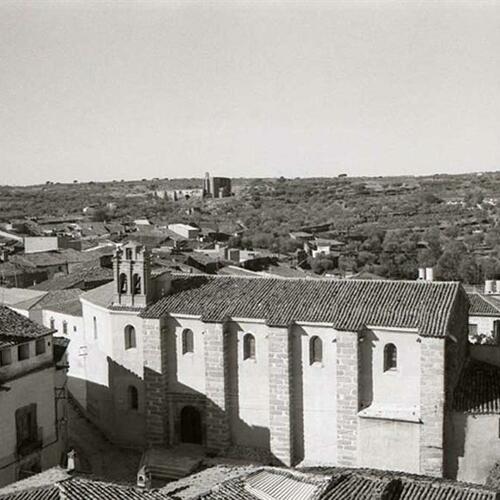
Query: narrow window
133, 398
315, 350
23, 352
130, 342
122, 286
5, 357
187, 341
496, 331
74, 328
65, 327
128, 254
40, 346
136, 286
52, 323
95, 327
248, 346
390, 357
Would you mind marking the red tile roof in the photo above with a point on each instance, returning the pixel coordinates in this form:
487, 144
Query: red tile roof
16, 329
267, 483
40, 493
348, 484
482, 306
346, 304
478, 390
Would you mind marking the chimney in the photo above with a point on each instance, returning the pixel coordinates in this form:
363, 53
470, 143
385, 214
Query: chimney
421, 273
429, 274
488, 286
144, 478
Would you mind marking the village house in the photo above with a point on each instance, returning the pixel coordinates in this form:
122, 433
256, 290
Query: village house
32, 397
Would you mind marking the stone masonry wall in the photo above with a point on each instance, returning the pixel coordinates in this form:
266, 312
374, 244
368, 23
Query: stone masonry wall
432, 400
347, 398
218, 434
155, 383
280, 395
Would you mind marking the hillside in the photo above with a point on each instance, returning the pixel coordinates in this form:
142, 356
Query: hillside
390, 225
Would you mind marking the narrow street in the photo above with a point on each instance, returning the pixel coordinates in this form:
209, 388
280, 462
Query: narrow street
96, 455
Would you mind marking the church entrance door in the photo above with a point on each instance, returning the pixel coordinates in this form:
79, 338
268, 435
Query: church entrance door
191, 425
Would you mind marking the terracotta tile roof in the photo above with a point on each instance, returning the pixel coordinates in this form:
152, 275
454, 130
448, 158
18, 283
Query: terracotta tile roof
85, 489
40, 493
101, 296
54, 297
52, 258
482, 306
79, 278
46, 478
15, 328
478, 390
349, 484
276, 484
13, 296
36, 299
360, 486
72, 308
346, 304
428, 489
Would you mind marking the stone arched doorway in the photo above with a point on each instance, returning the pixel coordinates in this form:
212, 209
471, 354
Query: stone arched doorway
191, 431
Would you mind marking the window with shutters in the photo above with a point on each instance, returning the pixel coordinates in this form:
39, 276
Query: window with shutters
40, 346
23, 352
5, 357
28, 438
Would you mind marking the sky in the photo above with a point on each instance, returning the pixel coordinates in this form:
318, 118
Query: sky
102, 90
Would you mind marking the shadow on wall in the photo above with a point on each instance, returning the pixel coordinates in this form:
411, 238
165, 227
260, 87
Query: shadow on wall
298, 395
366, 376
242, 434
116, 409
458, 425
214, 421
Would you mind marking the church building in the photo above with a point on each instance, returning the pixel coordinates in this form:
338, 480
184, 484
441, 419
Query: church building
317, 372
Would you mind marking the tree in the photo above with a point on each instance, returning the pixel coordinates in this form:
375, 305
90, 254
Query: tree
447, 268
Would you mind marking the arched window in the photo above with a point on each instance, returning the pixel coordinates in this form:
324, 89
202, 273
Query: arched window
65, 327
390, 357
123, 283
248, 346
128, 253
52, 323
136, 284
129, 337
95, 327
187, 341
133, 398
315, 350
